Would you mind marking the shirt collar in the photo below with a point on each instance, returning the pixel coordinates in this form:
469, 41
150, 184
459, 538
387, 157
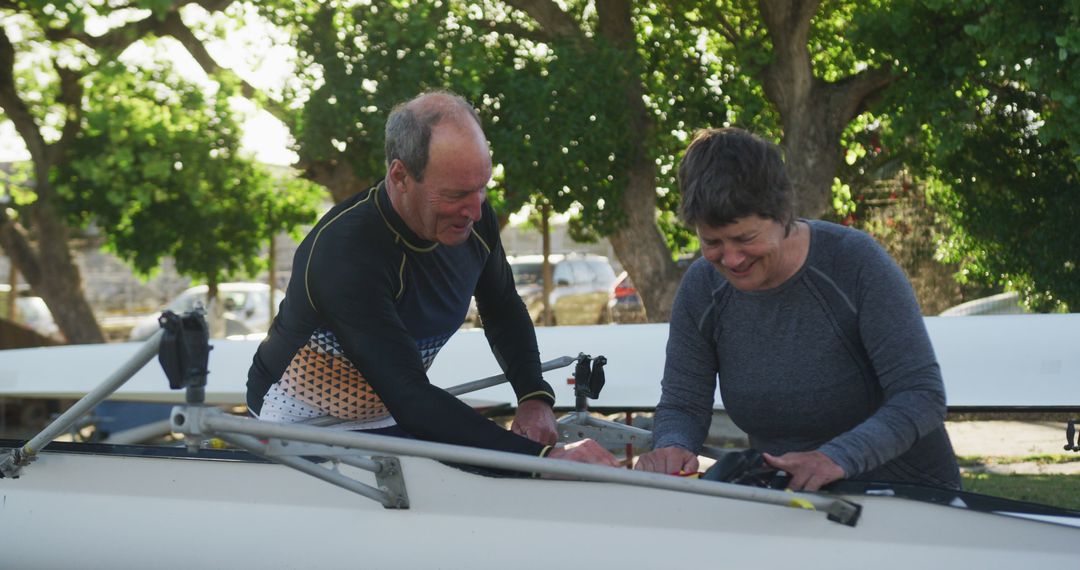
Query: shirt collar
397, 225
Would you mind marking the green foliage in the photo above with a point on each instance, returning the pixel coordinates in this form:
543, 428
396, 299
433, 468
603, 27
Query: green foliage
987, 108
359, 60
689, 84
156, 166
559, 129
734, 55
17, 184
680, 240
556, 112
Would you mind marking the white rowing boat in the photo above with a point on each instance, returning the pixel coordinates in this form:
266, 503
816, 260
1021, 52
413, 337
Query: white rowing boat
111, 511
336, 499
988, 362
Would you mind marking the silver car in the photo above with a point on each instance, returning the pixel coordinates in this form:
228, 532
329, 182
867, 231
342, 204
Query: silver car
584, 285
246, 308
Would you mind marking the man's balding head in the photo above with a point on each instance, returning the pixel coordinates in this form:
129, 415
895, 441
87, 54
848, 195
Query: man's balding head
438, 165
409, 127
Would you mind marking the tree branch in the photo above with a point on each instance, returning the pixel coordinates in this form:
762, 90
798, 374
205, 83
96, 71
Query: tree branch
15, 244
175, 27
790, 16
208, 5
111, 43
510, 29
71, 92
788, 79
551, 18
14, 107
711, 12
850, 96
616, 22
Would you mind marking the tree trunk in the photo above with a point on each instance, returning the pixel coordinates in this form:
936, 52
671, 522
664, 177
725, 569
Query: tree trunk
545, 268
814, 112
337, 176
812, 154
52, 273
13, 282
49, 269
640, 245
215, 310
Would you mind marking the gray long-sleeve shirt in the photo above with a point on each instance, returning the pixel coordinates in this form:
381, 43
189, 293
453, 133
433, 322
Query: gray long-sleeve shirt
836, 359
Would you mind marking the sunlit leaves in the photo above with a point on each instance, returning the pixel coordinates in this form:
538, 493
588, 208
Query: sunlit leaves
157, 166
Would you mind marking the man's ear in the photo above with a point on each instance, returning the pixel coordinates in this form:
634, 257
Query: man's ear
397, 173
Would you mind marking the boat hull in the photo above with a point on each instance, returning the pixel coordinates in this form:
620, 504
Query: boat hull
100, 510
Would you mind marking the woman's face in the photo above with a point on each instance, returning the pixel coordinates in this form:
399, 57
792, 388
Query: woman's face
749, 252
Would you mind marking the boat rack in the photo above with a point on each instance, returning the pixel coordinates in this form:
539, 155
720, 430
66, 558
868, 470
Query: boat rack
183, 348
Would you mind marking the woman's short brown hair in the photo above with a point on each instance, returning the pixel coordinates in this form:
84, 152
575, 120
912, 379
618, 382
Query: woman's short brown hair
727, 174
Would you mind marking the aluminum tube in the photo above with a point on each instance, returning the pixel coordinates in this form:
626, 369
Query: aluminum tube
333, 477
361, 463
218, 423
95, 397
500, 378
141, 434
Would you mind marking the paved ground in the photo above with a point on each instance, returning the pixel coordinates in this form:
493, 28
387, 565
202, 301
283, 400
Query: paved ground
1010, 440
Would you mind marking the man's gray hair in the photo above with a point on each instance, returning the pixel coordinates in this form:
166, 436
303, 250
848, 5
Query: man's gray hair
408, 128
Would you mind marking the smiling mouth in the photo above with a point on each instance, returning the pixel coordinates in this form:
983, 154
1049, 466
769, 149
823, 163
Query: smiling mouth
740, 272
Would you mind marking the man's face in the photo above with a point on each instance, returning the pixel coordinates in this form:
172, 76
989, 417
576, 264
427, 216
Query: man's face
446, 204
748, 252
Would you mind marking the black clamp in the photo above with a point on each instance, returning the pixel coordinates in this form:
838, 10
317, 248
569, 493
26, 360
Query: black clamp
589, 380
185, 352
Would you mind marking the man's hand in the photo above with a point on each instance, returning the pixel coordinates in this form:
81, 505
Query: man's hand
584, 451
809, 470
535, 420
668, 460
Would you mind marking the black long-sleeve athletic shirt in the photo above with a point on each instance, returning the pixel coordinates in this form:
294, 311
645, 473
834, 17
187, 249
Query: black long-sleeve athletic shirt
369, 306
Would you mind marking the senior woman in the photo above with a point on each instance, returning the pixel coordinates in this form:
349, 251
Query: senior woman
810, 328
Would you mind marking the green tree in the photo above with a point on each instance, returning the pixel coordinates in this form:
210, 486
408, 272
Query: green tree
986, 110
571, 100
172, 182
636, 79
55, 88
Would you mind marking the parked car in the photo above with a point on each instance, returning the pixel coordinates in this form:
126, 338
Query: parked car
30, 311
625, 305
246, 307
584, 284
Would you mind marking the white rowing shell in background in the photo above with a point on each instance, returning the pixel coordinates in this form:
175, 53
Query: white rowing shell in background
987, 362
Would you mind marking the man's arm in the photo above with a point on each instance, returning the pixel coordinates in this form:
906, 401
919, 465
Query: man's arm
510, 332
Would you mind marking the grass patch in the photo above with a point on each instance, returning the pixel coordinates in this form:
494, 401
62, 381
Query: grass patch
1047, 459
1056, 490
